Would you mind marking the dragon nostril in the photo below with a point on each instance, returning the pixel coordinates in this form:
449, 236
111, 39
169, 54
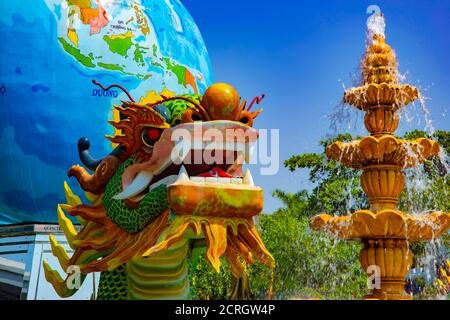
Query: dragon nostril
244, 120
196, 117
192, 116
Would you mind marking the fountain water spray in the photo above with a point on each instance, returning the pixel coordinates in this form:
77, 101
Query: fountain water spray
385, 232
375, 26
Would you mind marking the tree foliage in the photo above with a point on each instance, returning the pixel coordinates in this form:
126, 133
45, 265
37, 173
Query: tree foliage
308, 264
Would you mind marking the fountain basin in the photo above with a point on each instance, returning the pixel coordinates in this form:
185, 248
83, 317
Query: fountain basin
375, 94
366, 224
386, 235
384, 150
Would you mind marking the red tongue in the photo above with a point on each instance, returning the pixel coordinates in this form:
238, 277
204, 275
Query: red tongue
216, 172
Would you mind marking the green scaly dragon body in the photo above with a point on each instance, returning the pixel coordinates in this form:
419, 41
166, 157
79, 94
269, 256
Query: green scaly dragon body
161, 276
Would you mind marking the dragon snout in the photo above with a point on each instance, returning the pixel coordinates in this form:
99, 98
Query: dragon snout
220, 147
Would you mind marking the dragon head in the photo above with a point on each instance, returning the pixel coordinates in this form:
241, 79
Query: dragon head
196, 147
180, 155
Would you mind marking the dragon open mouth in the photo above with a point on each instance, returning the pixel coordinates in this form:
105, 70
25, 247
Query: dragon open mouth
201, 173
201, 165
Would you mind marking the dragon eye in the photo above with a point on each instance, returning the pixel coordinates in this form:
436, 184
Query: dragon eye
150, 136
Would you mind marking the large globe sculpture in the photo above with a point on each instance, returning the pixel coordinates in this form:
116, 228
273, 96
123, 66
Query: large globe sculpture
51, 52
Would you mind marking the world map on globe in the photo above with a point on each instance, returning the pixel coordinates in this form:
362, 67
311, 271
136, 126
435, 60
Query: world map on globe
55, 48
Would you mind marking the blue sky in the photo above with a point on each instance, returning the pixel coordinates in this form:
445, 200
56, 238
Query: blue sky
301, 53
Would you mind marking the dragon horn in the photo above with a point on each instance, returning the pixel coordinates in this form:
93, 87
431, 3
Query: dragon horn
85, 155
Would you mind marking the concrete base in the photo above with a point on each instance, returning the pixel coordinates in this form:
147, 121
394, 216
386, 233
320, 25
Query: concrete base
22, 250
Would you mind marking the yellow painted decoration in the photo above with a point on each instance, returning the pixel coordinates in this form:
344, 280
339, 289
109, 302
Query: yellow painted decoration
224, 236
59, 252
152, 96
115, 118
67, 227
73, 200
58, 283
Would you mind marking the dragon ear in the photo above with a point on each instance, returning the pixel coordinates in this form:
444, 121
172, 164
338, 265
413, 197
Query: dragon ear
245, 115
192, 115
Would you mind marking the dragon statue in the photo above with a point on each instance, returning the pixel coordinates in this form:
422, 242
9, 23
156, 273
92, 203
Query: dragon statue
153, 201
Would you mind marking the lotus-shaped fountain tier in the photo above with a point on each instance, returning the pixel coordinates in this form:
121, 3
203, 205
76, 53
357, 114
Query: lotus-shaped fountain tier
381, 103
384, 231
392, 224
384, 150
394, 96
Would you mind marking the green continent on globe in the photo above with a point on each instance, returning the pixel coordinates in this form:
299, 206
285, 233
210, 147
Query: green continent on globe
110, 66
120, 43
132, 48
76, 53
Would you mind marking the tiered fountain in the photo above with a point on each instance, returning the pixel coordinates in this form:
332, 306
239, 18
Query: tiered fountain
385, 232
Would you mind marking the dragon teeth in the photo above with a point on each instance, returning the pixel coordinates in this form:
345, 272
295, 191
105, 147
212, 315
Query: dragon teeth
248, 179
197, 179
224, 180
138, 185
167, 181
211, 180
182, 175
236, 180
215, 180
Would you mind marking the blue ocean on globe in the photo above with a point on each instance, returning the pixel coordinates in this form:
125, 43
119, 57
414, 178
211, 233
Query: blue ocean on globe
52, 50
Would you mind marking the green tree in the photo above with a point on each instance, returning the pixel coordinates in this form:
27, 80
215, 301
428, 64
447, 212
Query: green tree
308, 264
337, 189
206, 284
